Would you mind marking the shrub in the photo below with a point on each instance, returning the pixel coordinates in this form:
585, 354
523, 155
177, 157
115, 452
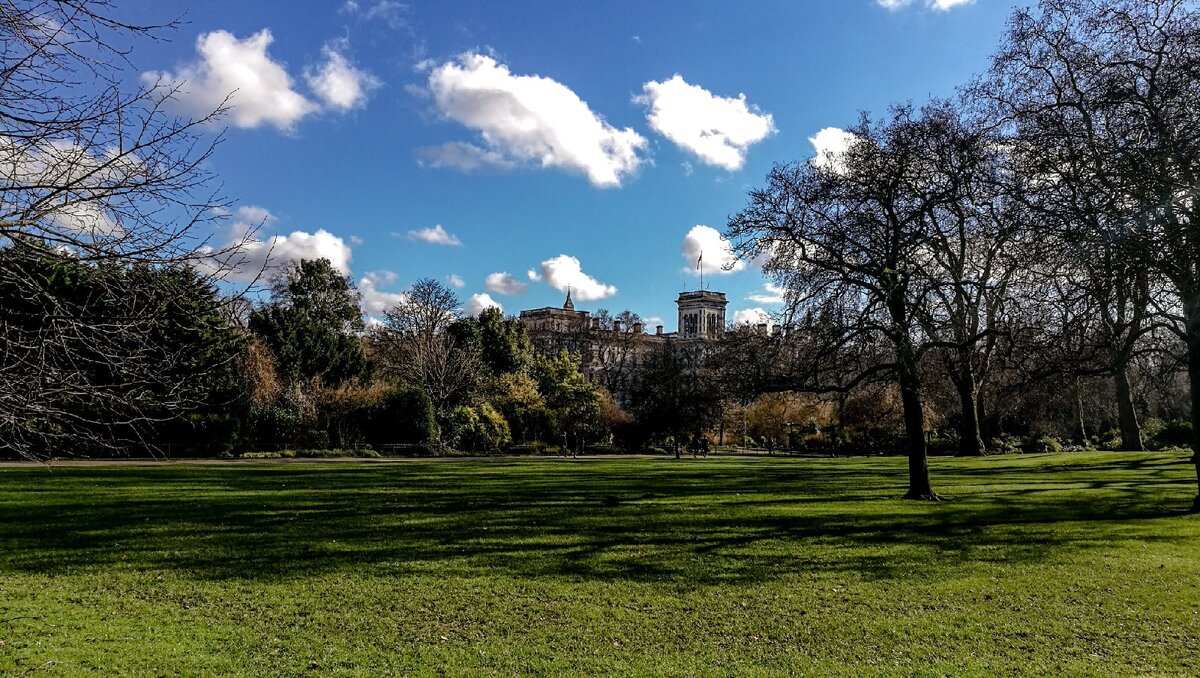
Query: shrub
1175, 433
1109, 440
403, 416
478, 429
261, 455
1041, 444
1005, 443
312, 454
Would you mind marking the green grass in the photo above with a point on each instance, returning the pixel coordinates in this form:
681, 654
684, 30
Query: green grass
1044, 564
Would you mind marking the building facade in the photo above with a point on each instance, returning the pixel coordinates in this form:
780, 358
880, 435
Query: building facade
611, 354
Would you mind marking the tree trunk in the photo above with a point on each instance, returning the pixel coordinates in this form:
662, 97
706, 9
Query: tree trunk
985, 431
914, 433
970, 441
1080, 434
1192, 313
1131, 431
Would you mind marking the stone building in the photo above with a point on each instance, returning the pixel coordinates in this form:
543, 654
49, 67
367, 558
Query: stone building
612, 354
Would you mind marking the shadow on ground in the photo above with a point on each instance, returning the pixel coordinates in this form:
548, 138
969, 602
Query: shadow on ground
634, 519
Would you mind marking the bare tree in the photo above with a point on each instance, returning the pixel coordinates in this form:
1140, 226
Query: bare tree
416, 345
101, 172
617, 347
1102, 97
890, 252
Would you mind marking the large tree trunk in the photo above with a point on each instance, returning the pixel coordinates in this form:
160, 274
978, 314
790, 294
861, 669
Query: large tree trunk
914, 433
970, 441
1131, 431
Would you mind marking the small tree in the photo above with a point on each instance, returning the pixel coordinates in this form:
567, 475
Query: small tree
677, 397
573, 402
311, 324
416, 345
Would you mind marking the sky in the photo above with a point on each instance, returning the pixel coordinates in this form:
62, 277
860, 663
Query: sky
513, 149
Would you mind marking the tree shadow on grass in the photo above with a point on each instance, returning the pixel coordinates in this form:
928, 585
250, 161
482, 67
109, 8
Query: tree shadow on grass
635, 520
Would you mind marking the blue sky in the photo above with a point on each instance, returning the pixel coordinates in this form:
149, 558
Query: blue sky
536, 134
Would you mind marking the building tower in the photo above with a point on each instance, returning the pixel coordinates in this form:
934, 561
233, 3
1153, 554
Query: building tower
701, 314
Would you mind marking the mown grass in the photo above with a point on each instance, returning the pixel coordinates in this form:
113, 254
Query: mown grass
1044, 564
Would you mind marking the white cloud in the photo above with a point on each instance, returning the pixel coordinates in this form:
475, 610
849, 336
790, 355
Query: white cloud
456, 280
338, 83
435, 236
718, 253
259, 89
533, 119
390, 12
259, 259
717, 130
91, 209
381, 277
461, 156
752, 316
376, 302
941, 5
563, 271
505, 283
478, 302
253, 215
770, 294
829, 145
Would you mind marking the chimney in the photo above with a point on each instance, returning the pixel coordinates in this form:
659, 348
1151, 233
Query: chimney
637, 328
762, 328
658, 330
777, 330
595, 323
616, 326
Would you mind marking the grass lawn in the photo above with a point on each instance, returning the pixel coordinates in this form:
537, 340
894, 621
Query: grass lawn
1044, 564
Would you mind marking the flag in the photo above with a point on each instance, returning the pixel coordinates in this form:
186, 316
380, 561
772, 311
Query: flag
698, 267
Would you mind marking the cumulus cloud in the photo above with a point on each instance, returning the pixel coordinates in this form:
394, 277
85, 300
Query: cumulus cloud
829, 145
339, 83
246, 257
565, 271
478, 302
719, 257
752, 316
505, 283
95, 172
259, 89
717, 130
260, 259
461, 156
770, 294
533, 119
435, 236
374, 301
456, 281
